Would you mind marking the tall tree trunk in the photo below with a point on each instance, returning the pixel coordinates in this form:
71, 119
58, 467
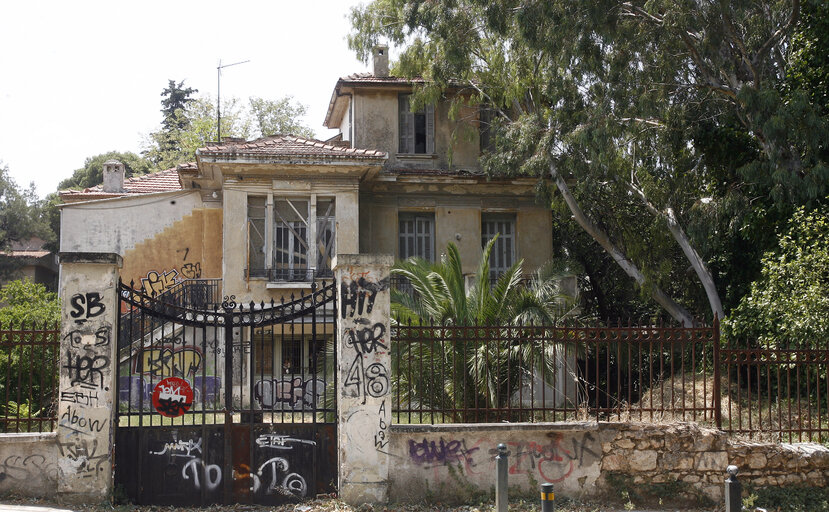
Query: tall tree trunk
698, 264
676, 311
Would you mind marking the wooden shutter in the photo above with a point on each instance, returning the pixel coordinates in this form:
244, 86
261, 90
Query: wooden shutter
406, 124
430, 129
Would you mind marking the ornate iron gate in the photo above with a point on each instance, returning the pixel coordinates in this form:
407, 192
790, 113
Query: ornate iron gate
225, 403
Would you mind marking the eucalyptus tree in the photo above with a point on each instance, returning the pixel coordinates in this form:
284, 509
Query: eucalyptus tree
613, 101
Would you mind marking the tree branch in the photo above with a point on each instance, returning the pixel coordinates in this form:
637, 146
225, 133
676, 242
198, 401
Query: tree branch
675, 310
779, 34
698, 264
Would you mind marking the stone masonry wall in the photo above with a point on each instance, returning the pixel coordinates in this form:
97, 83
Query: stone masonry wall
657, 456
586, 460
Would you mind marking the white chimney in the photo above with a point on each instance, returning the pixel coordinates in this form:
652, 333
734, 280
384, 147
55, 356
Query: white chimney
113, 176
381, 61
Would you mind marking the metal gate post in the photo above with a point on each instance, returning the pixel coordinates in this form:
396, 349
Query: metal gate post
88, 355
228, 305
363, 376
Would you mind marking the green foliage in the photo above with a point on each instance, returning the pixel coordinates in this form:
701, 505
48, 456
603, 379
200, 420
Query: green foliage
92, 172
465, 371
175, 99
29, 370
792, 499
195, 125
26, 302
684, 101
22, 216
790, 301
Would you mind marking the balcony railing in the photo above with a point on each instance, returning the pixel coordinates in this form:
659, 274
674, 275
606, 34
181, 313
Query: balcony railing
289, 275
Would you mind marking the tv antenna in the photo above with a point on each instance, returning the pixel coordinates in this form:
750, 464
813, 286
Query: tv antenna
219, 94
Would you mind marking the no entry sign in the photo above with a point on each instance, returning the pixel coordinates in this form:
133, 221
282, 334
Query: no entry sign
172, 397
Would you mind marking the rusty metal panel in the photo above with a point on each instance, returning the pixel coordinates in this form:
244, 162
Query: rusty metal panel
292, 462
170, 465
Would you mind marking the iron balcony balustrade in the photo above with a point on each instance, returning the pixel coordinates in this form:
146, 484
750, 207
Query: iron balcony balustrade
289, 275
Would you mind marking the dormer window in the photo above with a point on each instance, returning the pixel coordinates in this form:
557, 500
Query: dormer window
417, 129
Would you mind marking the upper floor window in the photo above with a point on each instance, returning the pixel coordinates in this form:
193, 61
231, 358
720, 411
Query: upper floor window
416, 235
502, 256
417, 129
290, 238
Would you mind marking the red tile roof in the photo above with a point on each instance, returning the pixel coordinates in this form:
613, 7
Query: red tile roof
162, 181
289, 146
369, 78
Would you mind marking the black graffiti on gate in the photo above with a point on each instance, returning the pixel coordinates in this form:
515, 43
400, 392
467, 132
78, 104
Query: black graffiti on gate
173, 407
358, 296
366, 340
86, 306
85, 370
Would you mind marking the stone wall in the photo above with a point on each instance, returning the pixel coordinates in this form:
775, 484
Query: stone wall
589, 461
28, 464
657, 456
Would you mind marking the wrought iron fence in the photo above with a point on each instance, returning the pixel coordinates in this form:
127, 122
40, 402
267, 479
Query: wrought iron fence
531, 373
29, 368
776, 390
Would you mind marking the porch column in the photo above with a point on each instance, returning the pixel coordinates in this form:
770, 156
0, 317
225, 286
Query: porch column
364, 376
88, 350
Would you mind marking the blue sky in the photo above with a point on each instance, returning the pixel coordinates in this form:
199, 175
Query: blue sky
85, 77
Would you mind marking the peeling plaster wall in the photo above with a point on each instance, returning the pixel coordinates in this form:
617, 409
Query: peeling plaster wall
447, 461
190, 248
457, 220
118, 225
377, 127
28, 464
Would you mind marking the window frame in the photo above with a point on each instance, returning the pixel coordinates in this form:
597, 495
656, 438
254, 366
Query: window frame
416, 218
504, 252
297, 234
406, 129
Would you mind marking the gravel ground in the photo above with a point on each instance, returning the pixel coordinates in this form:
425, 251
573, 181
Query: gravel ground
334, 505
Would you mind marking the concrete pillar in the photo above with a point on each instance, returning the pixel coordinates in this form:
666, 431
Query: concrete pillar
86, 411
364, 376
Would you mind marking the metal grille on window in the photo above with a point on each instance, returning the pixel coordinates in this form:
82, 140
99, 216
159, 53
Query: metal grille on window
416, 236
326, 239
290, 251
503, 252
256, 236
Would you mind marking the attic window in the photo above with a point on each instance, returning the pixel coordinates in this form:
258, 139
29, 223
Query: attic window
416, 129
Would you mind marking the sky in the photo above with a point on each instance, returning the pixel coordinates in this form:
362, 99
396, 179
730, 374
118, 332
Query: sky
84, 77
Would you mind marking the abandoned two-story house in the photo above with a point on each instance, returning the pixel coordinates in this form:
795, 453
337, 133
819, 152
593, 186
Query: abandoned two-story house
261, 220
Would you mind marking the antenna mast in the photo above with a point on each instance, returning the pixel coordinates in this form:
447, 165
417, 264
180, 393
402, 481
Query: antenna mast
219, 94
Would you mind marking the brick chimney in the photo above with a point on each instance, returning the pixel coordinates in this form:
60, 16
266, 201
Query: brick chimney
113, 176
381, 61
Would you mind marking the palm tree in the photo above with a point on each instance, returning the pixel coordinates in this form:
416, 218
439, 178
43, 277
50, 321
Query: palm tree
473, 340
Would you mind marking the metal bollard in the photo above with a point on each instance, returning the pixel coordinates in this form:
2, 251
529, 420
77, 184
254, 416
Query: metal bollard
548, 498
733, 491
501, 466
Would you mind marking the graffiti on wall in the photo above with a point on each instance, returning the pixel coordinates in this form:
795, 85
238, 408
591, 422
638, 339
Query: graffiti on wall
366, 339
168, 361
291, 393
553, 458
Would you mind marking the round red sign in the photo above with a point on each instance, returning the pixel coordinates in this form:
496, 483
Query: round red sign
172, 397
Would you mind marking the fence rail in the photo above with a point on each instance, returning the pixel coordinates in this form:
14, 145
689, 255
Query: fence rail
779, 391
29, 377
445, 374
448, 374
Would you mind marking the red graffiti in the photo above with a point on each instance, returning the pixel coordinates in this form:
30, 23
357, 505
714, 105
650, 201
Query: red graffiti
553, 461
